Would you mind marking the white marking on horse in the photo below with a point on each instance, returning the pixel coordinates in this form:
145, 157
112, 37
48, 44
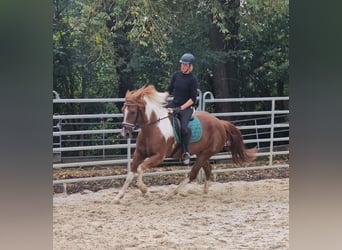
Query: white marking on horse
125, 113
164, 125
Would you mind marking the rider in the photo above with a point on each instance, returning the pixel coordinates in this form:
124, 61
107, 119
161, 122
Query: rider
184, 84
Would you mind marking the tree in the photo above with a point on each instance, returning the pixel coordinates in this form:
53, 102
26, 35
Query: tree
83, 65
265, 39
104, 47
224, 43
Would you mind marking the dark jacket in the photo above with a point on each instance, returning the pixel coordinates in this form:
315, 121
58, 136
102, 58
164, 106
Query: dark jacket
185, 87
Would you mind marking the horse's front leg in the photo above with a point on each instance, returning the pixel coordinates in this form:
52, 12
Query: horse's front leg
137, 159
153, 161
120, 195
141, 185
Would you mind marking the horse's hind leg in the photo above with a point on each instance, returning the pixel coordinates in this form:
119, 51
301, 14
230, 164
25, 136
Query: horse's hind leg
207, 170
191, 176
179, 187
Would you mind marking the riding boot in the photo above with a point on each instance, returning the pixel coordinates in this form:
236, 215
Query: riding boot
185, 143
186, 158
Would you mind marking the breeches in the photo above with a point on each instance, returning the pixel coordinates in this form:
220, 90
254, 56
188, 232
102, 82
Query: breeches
184, 117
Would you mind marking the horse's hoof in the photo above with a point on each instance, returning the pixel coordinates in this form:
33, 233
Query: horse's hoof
116, 201
143, 189
168, 197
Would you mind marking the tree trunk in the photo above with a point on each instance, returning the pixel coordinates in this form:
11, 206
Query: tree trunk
122, 51
219, 79
225, 73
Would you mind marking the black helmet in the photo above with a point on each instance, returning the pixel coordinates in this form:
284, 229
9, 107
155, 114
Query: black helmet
187, 58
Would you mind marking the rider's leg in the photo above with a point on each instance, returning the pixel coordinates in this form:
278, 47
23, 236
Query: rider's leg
186, 142
185, 117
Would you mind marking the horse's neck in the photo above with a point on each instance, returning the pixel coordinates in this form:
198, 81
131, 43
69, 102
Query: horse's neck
157, 115
162, 122
149, 127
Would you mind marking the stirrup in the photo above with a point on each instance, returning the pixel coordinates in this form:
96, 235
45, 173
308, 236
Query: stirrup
186, 158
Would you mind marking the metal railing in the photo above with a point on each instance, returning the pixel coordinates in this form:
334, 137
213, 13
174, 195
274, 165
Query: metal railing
263, 135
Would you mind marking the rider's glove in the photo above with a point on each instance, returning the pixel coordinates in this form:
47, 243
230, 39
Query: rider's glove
176, 110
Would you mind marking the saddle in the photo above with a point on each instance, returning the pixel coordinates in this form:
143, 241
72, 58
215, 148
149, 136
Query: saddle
194, 125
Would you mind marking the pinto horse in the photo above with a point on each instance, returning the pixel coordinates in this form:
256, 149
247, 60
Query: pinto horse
144, 109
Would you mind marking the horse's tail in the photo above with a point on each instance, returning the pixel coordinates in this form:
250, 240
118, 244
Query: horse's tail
235, 143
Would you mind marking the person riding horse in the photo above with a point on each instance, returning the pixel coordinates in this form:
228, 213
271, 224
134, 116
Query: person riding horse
184, 84
144, 108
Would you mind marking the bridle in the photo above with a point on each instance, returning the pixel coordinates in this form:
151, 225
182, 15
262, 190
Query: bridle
135, 124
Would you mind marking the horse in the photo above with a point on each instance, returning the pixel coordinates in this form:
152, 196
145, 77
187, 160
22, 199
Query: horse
144, 109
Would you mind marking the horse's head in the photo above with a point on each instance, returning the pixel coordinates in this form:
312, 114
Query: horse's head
133, 113
139, 106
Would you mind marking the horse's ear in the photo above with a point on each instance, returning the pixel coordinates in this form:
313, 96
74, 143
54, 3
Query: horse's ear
128, 93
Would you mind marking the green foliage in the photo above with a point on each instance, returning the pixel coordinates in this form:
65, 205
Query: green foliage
83, 52
264, 35
98, 45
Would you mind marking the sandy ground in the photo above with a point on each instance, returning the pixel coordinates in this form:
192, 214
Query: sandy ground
234, 215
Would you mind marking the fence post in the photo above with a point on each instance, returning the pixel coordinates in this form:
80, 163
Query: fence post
256, 132
57, 157
199, 107
272, 132
204, 97
129, 154
103, 138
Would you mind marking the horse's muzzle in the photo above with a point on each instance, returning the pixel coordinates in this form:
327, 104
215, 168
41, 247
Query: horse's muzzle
127, 129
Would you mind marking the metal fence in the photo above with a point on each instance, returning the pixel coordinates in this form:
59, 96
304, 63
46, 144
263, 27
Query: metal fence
93, 139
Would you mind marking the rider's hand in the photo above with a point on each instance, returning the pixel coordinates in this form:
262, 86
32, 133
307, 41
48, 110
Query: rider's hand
176, 110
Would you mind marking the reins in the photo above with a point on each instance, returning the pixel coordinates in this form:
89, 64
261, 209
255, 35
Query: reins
150, 123
137, 126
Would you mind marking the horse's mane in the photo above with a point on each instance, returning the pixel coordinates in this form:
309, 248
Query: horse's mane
150, 98
150, 93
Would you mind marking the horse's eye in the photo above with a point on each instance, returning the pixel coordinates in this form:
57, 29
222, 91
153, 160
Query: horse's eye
132, 110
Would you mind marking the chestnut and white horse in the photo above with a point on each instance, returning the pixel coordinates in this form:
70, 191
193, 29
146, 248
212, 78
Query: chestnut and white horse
144, 109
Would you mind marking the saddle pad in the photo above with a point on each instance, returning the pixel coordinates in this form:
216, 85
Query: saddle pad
196, 130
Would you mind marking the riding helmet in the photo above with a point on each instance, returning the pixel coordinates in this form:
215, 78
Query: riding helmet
187, 58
